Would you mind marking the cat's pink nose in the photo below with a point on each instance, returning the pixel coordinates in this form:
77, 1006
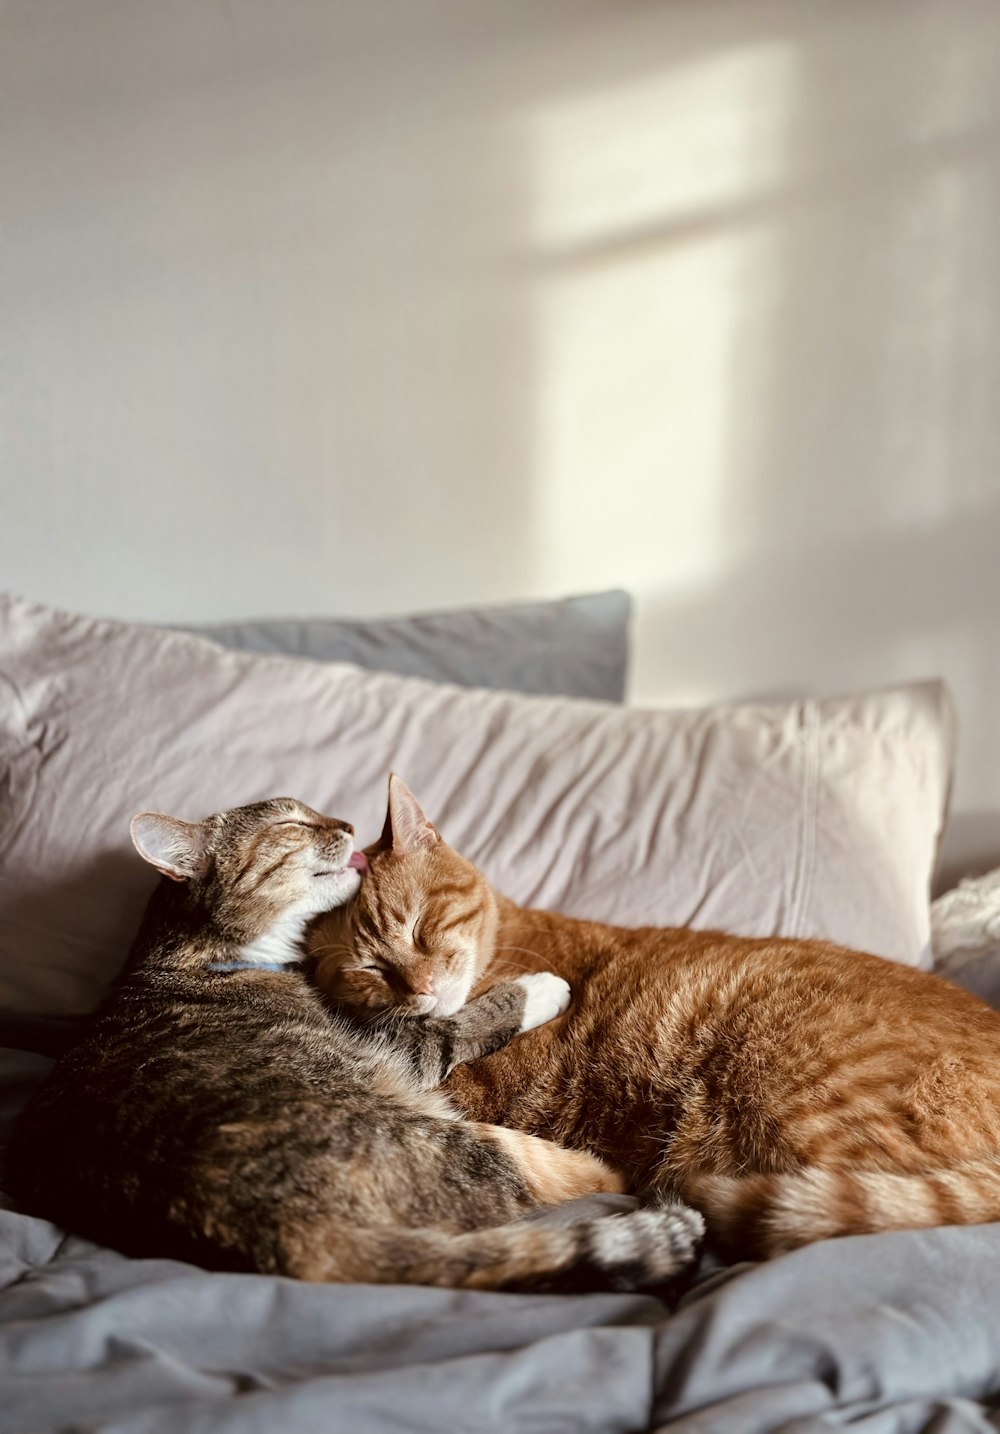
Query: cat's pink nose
425, 987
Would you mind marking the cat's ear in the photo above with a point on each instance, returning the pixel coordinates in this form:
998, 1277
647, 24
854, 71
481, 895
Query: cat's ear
177, 849
406, 828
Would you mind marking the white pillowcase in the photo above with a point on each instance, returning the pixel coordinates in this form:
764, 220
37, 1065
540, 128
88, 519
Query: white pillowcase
965, 921
965, 936
805, 819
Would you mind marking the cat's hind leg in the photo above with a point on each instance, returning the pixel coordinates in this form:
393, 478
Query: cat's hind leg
551, 1172
645, 1249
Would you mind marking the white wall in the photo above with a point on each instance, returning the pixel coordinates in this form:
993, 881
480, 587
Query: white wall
315, 306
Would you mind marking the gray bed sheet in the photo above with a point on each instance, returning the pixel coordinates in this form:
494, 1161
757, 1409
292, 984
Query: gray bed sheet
885, 1334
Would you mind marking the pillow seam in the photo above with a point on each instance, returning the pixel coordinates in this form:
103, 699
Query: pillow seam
806, 864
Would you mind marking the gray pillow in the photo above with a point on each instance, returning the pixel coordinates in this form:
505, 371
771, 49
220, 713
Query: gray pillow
573, 647
980, 974
806, 819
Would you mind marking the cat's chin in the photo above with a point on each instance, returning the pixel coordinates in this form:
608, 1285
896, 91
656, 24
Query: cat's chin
447, 1002
335, 888
448, 1006
439, 1008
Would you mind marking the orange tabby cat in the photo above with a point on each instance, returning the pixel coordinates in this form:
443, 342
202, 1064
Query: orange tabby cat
789, 1089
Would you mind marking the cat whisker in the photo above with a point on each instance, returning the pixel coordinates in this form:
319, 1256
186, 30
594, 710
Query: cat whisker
503, 968
334, 948
540, 956
526, 950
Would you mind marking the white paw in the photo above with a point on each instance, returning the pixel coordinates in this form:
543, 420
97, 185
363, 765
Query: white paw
545, 997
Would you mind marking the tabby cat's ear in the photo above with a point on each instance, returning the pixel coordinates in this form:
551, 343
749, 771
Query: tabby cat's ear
406, 828
177, 849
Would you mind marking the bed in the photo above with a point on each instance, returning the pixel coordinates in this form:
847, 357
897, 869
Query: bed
810, 818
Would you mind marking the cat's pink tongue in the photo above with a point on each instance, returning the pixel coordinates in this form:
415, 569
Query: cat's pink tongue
359, 861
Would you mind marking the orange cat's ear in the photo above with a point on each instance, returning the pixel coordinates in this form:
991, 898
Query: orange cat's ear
177, 849
406, 828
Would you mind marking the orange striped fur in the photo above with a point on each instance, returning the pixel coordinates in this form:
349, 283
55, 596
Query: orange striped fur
791, 1090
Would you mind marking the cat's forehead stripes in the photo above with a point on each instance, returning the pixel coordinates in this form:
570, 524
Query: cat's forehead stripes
253, 878
440, 911
438, 925
254, 815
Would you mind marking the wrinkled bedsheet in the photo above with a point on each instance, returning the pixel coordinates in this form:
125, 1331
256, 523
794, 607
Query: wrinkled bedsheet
883, 1334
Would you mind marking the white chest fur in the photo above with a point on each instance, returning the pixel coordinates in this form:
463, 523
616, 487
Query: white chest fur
282, 940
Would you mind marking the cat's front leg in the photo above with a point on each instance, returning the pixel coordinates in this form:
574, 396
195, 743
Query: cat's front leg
433, 1047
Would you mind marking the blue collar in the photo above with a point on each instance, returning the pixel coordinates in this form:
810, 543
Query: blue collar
253, 965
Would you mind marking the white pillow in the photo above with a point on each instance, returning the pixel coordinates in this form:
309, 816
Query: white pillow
965, 922
806, 819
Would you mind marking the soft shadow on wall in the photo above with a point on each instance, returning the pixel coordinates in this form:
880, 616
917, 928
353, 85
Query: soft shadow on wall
767, 294
257, 353
364, 308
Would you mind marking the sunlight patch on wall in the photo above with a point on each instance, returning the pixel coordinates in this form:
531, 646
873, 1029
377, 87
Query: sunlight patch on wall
661, 148
632, 419
641, 345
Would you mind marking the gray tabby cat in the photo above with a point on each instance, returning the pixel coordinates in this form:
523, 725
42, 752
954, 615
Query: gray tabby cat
216, 1111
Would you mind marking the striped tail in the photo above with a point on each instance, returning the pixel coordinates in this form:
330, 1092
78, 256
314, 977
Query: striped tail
644, 1249
757, 1216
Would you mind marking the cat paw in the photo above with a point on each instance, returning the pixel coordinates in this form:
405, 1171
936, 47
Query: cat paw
545, 997
648, 1247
